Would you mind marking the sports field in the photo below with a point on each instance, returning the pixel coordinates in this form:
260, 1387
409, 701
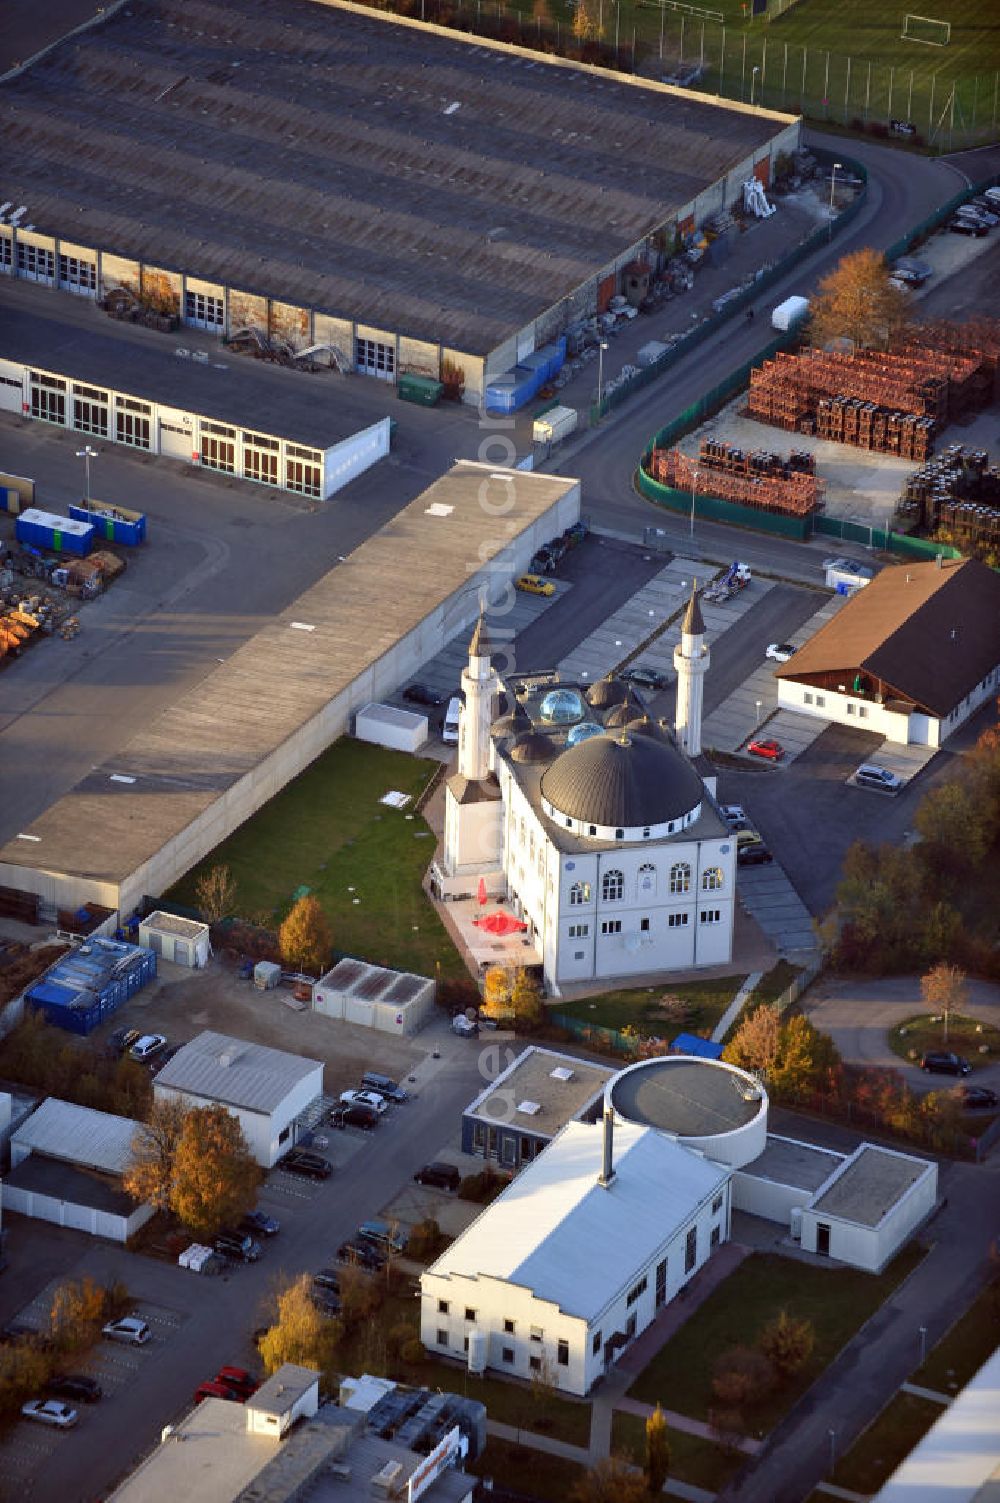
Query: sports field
844, 61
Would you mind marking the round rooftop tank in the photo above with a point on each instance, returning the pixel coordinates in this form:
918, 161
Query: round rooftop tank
704, 1103
561, 706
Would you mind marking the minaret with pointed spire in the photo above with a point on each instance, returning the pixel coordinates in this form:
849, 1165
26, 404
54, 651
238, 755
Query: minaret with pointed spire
481, 693
691, 662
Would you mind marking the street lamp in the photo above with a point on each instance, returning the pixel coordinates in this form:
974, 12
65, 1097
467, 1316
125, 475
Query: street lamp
694, 481
833, 1448
87, 454
923, 1345
600, 373
833, 185
760, 705
753, 83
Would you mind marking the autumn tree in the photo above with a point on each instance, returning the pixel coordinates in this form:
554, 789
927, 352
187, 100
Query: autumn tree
526, 1001
215, 1179
215, 891
610, 1481
755, 1044
498, 986
305, 939
787, 1343
856, 302
808, 1060
742, 1377
24, 1368
77, 1311
949, 821
944, 990
586, 25
300, 1334
656, 1464
150, 1176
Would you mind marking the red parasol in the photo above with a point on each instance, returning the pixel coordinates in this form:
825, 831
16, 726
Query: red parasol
482, 891
500, 923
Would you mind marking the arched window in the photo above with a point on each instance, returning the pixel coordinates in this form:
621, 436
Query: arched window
711, 879
612, 886
647, 879
680, 877
579, 893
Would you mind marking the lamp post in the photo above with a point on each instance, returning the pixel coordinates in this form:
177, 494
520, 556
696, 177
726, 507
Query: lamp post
832, 1434
923, 1345
87, 454
753, 83
694, 482
833, 188
759, 703
600, 373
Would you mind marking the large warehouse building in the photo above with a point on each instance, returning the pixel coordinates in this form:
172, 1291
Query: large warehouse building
158, 805
334, 177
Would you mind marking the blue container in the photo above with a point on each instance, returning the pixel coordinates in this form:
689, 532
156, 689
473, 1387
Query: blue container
112, 523
45, 529
540, 363
86, 986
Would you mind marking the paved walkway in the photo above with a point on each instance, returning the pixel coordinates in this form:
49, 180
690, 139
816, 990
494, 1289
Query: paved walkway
675, 1421
926, 1393
735, 1007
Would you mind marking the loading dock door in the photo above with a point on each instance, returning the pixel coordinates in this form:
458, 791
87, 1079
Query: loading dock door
372, 358
175, 442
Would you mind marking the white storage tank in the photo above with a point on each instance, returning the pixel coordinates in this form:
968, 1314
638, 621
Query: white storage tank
705, 1103
478, 1347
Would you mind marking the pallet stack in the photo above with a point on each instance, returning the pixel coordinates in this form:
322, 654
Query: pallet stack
759, 479
960, 492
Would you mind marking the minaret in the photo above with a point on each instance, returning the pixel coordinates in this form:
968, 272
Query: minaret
481, 688
691, 660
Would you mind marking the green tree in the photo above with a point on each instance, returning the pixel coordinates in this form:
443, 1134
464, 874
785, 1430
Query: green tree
656, 1465
215, 1178
300, 1334
954, 834
787, 1343
305, 938
856, 302
150, 1176
944, 990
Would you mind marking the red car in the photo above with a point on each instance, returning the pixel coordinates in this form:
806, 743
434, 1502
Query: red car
216, 1391
238, 1379
763, 747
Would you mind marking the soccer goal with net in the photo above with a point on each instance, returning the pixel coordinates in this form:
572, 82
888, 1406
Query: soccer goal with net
927, 30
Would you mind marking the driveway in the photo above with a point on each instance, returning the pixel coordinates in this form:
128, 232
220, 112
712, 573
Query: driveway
857, 1015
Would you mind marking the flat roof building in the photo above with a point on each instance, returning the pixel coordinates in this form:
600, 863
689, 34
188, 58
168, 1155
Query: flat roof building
520, 1112
428, 195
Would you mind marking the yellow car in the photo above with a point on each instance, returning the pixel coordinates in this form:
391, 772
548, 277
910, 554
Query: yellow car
535, 584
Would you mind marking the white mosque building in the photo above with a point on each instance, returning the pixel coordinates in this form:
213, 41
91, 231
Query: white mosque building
593, 821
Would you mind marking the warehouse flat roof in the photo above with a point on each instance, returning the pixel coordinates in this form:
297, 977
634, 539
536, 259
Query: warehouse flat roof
408, 177
276, 683
78, 1135
317, 410
557, 1231
541, 1091
786, 1161
870, 1184
69, 1183
235, 1072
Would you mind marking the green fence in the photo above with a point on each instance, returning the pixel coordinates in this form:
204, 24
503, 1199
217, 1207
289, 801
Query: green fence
712, 509
934, 221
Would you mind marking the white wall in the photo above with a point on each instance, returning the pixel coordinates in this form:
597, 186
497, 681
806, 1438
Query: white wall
262, 1130
872, 1248
96, 1223
767, 1198
343, 461
915, 729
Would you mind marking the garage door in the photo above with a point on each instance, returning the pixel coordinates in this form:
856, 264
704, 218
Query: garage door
374, 359
175, 442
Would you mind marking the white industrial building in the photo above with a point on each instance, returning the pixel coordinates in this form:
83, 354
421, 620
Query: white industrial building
183, 941
266, 1090
594, 821
375, 997
958, 1460
910, 657
67, 1162
604, 1224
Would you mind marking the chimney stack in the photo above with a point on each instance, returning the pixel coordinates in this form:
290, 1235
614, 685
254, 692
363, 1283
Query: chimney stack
607, 1164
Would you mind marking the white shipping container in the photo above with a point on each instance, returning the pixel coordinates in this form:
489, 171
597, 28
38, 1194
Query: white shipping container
385, 725
556, 424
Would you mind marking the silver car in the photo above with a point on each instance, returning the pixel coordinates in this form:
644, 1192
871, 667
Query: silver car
50, 1412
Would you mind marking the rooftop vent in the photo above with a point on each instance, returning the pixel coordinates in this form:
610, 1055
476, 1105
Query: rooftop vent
529, 1108
561, 1073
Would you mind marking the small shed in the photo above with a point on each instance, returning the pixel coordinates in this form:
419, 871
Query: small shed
374, 996
184, 941
385, 725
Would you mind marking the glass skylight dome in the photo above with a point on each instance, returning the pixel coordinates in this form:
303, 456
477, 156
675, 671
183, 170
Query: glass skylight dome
561, 706
583, 732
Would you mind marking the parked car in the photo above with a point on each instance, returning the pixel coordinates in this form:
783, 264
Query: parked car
748, 837
121, 1041
780, 652
326, 1303
978, 1097
75, 1386
766, 747
384, 1085
50, 1412
260, 1224
384, 1235
464, 1026
216, 1391
912, 271
943, 1062
145, 1047
869, 775
238, 1379
734, 815
365, 1117
968, 227
645, 677
327, 1278
441, 1176
238, 1247
534, 584
753, 855
363, 1254
313, 1165
365, 1098
419, 694
975, 213
129, 1328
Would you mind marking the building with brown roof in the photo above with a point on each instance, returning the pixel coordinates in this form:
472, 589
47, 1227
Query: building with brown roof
331, 176
910, 657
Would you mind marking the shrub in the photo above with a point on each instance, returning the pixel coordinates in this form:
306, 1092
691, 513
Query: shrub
484, 1186
412, 1352
742, 1377
788, 1343
424, 1240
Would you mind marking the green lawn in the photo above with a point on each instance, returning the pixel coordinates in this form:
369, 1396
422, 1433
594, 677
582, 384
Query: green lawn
836, 1300
704, 1001
961, 1353
328, 832
523, 1470
876, 1453
692, 1459
910, 1039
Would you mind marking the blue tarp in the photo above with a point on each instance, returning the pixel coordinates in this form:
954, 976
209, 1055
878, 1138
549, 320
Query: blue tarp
689, 1043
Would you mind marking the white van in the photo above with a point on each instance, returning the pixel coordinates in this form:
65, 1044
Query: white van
449, 734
